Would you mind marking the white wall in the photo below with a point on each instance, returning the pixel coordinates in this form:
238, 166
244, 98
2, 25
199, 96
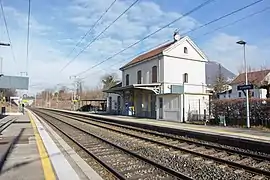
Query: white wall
191, 63
146, 69
177, 50
172, 107
174, 68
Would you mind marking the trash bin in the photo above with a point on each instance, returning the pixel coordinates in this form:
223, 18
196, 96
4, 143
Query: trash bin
3, 110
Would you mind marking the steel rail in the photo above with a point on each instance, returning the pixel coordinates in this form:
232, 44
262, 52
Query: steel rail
231, 163
149, 161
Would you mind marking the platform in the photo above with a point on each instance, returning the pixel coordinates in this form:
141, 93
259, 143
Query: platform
245, 133
220, 134
39, 153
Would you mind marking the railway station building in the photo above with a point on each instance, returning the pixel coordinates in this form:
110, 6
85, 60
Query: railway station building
168, 82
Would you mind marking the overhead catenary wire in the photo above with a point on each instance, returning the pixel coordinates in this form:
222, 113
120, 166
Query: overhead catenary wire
6, 26
234, 22
102, 32
209, 32
28, 34
137, 54
224, 16
204, 25
149, 35
88, 32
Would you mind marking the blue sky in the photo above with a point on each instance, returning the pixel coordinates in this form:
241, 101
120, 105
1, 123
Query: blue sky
57, 25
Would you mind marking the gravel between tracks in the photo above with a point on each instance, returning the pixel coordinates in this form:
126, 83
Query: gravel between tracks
196, 167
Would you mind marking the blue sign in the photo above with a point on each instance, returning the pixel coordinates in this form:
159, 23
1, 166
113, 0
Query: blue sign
245, 87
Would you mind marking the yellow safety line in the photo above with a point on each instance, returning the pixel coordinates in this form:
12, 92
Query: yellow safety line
45, 160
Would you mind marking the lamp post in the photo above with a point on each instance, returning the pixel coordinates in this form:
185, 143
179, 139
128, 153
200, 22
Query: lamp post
185, 80
1, 59
241, 42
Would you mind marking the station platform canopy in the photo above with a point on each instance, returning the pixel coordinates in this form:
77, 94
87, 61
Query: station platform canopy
14, 82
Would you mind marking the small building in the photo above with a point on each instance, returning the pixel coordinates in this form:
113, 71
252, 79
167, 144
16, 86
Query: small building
260, 80
168, 82
114, 101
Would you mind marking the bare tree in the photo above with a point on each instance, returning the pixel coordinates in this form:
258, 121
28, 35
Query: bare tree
220, 83
109, 80
242, 69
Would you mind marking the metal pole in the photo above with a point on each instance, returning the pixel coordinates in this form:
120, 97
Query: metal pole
57, 99
35, 100
1, 59
247, 95
183, 102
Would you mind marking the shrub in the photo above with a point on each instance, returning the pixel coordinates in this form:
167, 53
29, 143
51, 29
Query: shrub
234, 111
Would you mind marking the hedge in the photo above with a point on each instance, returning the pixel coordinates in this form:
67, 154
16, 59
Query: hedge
235, 112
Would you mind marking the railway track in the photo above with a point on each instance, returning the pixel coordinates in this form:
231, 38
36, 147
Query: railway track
6, 124
121, 162
248, 165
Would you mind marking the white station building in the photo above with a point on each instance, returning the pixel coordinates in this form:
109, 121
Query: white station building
168, 82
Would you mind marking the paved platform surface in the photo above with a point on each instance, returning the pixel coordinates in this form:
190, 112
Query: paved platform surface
40, 154
242, 133
227, 131
24, 160
231, 131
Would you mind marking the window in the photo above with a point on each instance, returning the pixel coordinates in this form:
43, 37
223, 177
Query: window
139, 77
127, 79
185, 78
239, 94
154, 74
185, 50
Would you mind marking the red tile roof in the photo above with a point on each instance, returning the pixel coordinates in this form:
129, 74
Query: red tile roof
254, 77
148, 54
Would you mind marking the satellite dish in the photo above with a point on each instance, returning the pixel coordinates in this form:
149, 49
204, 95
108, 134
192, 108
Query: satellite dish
177, 37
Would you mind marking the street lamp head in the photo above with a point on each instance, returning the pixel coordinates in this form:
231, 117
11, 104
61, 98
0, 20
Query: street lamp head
4, 44
241, 42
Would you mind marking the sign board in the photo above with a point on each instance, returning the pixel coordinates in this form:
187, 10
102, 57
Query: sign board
177, 89
245, 87
14, 82
15, 98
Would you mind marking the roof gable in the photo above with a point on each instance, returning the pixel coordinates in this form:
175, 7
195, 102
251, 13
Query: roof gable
255, 77
165, 48
194, 51
148, 55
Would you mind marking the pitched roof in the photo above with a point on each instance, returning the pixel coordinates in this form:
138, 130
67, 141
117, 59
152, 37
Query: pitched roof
255, 77
148, 54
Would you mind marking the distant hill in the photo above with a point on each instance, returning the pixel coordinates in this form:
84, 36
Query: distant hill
212, 71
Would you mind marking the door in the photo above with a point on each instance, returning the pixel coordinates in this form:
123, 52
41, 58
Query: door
118, 104
160, 101
110, 104
153, 106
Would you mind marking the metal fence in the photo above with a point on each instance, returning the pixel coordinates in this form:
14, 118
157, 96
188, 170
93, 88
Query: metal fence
198, 110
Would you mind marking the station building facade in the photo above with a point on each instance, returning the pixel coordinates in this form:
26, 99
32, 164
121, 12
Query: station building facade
168, 82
